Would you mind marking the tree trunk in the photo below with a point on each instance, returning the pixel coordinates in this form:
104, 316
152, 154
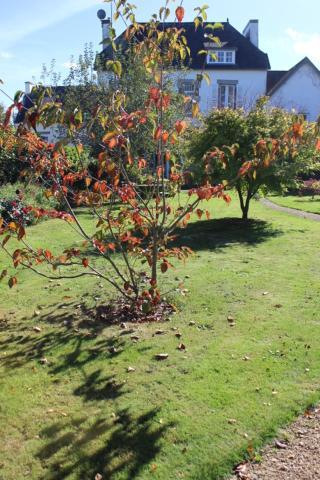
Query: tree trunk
244, 204
154, 259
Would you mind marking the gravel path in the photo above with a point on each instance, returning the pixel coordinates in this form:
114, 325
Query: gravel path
293, 456
291, 211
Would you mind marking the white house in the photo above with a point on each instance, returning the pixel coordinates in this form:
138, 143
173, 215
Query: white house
239, 74
298, 89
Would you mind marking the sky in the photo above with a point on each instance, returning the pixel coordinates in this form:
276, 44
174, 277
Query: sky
35, 32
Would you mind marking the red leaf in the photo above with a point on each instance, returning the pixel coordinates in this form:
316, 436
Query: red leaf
142, 163
158, 133
12, 282
8, 115
85, 262
180, 14
164, 267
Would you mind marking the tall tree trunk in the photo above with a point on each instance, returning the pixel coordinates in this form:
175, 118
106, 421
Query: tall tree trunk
244, 203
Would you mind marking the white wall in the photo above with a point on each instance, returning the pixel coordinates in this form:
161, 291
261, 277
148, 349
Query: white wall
50, 134
300, 92
251, 85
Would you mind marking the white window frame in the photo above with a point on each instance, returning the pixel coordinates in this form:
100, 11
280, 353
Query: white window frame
227, 94
224, 57
187, 86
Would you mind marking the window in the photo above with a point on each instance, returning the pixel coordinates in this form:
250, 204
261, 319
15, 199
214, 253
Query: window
187, 87
227, 96
221, 56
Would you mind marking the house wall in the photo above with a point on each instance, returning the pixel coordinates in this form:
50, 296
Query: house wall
50, 134
300, 92
251, 85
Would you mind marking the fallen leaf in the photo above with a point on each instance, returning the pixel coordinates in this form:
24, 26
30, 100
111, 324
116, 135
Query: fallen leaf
159, 332
192, 322
246, 358
161, 356
178, 335
131, 369
37, 313
44, 361
181, 346
232, 421
265, 293
37, 329
280, 445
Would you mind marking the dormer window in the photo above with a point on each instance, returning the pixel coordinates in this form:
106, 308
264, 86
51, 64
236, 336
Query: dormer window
221, 56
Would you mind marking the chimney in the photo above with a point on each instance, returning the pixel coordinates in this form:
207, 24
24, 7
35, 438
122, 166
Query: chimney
106, 25
252, 32
28, 87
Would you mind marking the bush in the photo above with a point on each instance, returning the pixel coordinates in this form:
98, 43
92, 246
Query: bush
310, 187
16, 198
14, 210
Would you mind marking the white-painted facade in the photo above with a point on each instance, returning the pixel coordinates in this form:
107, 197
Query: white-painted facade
249, 85
300, 91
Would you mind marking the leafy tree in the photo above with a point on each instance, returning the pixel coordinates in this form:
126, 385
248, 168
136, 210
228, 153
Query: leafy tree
274, 145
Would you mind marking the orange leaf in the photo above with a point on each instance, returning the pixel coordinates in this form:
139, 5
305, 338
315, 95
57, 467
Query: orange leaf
142, 163
85, 262
12, 282
157, 133
164, 267
180, 13
180, 126
165, 136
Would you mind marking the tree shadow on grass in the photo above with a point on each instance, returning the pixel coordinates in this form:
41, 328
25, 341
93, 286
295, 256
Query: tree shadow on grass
220, 233
120, 444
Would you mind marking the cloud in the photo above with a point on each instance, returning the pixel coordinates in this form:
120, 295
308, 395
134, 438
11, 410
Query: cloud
17, 22
305, 44
5, 55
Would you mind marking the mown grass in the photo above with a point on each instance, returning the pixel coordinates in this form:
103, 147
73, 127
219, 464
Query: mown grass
83, 413
307, 203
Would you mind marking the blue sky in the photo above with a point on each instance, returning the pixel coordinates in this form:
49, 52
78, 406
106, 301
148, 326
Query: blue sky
34, 32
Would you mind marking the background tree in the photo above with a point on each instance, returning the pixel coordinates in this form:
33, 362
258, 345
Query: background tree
252, 135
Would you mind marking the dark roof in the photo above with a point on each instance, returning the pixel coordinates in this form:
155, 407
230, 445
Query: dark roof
248, 56
273, 83
28, 101
273, 77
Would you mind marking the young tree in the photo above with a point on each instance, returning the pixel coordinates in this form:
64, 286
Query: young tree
273, 144
132, 232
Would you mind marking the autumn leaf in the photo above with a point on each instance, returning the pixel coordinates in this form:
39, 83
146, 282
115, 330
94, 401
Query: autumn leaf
85, 262
180, 13
157, 133
12, 282
164, 267
195, 109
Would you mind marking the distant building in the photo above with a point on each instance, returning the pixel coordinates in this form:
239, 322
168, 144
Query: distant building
239, 75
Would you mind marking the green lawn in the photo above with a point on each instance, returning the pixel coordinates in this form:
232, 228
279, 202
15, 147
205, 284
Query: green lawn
82, 413
308, 204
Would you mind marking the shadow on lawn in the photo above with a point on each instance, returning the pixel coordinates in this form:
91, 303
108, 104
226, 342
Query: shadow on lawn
109, 443
220, 233
108, 446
